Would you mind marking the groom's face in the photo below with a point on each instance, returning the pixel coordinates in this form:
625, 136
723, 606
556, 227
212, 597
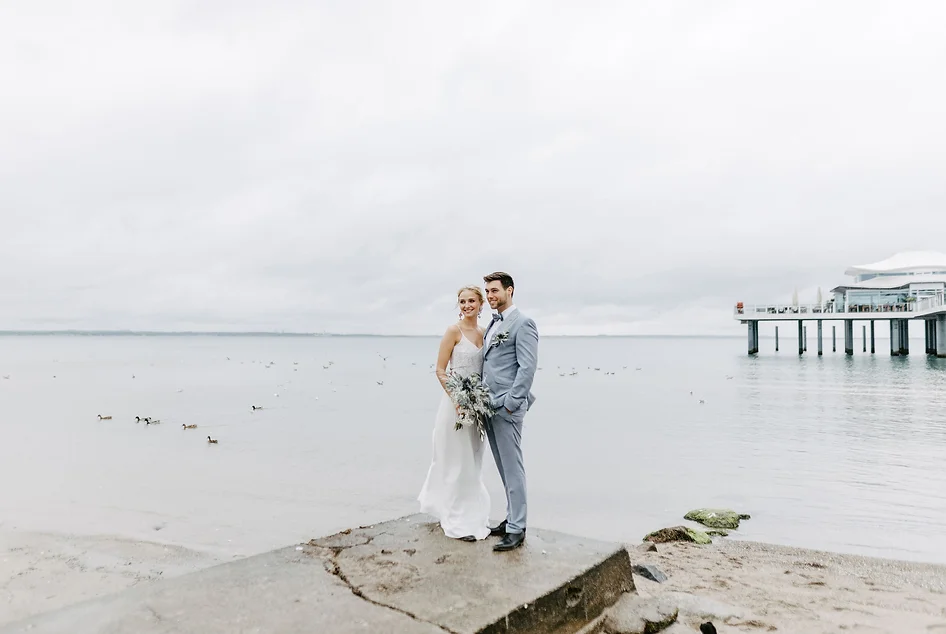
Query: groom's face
497, 296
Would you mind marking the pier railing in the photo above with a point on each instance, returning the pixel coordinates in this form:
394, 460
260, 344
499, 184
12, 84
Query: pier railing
930, 303
914, 306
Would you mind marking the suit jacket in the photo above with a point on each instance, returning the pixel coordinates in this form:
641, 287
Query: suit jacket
509, 366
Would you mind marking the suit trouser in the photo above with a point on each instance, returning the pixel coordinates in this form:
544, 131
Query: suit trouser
505, 437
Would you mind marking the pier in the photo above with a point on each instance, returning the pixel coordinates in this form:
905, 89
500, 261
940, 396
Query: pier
906, 287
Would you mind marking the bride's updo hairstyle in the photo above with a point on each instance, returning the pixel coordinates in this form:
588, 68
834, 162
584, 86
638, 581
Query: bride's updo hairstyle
476, 290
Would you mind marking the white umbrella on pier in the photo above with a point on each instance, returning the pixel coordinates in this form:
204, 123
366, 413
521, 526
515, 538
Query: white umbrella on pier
795, 297
820, 297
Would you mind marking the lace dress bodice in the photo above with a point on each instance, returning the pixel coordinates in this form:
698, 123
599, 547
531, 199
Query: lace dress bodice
466, 359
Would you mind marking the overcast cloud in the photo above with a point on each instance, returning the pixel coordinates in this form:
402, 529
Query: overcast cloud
345, 166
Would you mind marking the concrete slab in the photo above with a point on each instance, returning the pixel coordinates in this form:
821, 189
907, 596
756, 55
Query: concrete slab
398, 576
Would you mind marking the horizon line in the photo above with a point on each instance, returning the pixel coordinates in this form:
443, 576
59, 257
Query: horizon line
271, 333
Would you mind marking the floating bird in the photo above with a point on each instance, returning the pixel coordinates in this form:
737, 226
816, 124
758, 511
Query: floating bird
702, 402
104, 417
189, 426
139, 419
212, 441
6, 376
152, 422
728, 377
256, 407
380, 382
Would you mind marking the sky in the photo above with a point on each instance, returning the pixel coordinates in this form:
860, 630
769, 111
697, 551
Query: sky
346, 166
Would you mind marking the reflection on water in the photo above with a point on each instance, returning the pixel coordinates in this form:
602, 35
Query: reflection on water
840, 453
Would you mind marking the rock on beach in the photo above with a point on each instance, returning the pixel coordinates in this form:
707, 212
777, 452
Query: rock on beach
716, 518
678, 534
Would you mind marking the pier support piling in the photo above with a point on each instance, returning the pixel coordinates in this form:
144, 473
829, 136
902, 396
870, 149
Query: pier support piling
776, 338
934, 336
820, 350
894, 338
834, 339
804, 330
872, 349
848, 336
941, 336
864, 337
904, 336
801, 338
753, 337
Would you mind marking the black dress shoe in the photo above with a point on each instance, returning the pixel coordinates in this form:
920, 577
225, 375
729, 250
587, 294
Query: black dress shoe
498, 531
510, 542
468, 538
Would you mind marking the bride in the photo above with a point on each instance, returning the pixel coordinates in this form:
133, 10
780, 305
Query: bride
454, 491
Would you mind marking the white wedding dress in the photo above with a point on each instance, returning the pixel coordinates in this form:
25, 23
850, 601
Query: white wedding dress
454, 491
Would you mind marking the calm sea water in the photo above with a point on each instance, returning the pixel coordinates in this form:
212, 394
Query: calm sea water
836, 453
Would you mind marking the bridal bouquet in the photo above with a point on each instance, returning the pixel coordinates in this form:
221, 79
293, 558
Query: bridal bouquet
471, 395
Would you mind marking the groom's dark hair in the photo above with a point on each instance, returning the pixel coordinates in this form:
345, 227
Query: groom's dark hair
503, 278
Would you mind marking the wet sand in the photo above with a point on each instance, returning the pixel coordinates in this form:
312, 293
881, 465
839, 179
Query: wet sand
797, 590
41, 572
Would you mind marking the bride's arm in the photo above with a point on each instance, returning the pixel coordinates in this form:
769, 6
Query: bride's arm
450, 339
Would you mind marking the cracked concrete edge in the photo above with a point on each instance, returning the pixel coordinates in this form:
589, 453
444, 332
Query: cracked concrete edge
586, 597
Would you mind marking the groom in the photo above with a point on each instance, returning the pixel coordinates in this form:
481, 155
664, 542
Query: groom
511, 347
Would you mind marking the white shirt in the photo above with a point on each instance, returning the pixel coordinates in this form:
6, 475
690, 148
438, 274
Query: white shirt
498, 325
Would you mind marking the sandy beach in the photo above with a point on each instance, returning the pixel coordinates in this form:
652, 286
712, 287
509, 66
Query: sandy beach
767, 588
778, 588
41, 571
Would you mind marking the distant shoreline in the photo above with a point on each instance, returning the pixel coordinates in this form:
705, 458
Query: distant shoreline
192, 333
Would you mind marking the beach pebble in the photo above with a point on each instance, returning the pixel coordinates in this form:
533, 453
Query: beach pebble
648, 571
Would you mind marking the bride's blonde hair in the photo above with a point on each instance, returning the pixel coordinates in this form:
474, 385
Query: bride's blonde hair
476, 290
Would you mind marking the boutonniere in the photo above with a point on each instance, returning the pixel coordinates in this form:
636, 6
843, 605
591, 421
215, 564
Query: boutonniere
499, 338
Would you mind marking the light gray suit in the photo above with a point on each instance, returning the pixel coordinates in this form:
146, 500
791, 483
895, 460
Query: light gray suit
508, 370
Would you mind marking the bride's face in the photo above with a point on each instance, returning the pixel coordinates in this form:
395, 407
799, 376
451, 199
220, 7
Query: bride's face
470, 303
